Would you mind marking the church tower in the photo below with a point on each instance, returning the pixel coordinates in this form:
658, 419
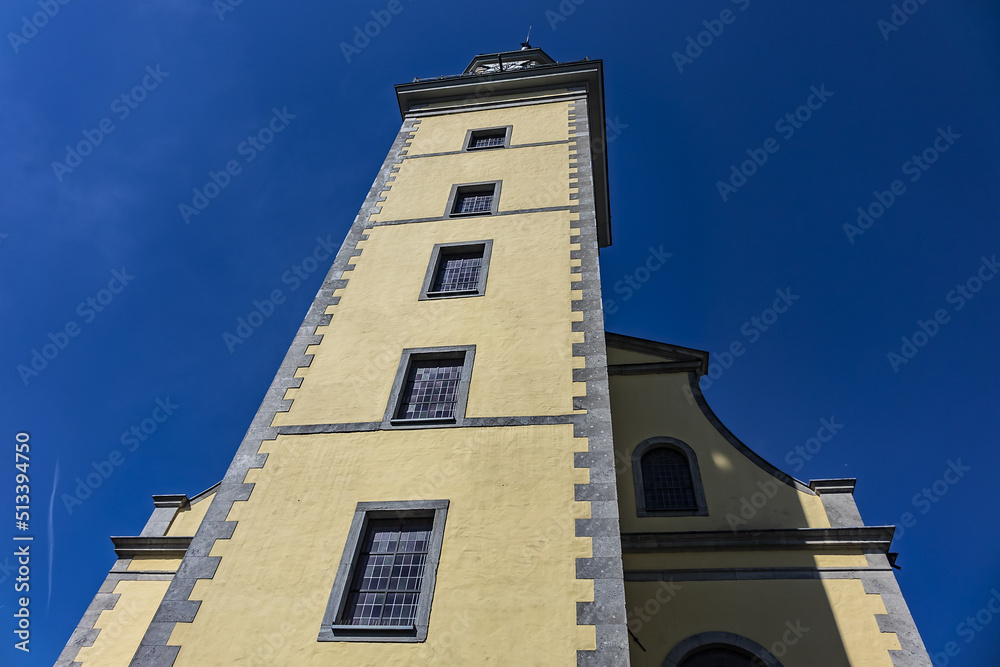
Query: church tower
456, 465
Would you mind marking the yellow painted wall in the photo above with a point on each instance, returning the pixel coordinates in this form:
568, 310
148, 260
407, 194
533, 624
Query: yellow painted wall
644, 406
153, 564
122, 628
835, 618
187, 520
616, 356
521, 327
506, 590
532, 124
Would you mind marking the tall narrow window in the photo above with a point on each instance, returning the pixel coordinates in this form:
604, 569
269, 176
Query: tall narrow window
384, 584
456, 270
431, 387
474, 199
389, 573
666, 480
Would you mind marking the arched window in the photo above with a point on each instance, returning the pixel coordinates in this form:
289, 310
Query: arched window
721, 656
666, 480
719, 649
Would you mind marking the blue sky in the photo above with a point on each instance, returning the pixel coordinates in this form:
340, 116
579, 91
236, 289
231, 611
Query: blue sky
864, 99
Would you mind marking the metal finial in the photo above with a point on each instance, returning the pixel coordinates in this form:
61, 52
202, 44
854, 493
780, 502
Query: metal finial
526, 44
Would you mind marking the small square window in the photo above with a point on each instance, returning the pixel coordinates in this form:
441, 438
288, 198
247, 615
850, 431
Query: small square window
486, 138
457, 270
474, 199
431, 387
385, 582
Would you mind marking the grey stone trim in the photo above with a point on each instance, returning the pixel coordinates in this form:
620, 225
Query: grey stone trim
166, 508
607, 612
873, 538
672, 353
838, 501
357, 427
881, 580
331, 631
439, 249
519, 211
654, 368
756, 458
197, 564
701, 507
85, 633
572, 95
686, 647
510, 146
450, 212
465, 352
151, 546
745, 574
467, 144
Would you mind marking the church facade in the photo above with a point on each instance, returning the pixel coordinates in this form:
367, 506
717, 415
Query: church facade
457, 465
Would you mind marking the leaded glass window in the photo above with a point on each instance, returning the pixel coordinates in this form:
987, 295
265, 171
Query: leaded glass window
666, 480
458, 272
481, 202
385, 590
431, 389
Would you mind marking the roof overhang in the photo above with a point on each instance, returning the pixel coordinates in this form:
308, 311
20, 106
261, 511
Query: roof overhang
478, 88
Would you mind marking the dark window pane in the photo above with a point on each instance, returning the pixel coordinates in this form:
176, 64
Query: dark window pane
666, 480
719, 657
390, 570
431, 389
474, 203
458, 272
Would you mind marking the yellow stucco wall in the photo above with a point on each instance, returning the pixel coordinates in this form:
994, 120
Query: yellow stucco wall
153, 564
187, 520
507, 566
521, 327
533, 124
804, 623
644, 406
122, 628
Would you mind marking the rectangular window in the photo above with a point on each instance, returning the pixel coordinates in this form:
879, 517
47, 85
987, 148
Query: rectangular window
457, 270
390, 570
488, 137
385, 582
431, 387
474, 199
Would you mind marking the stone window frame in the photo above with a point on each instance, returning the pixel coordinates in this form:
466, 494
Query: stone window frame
701, 507
465, 352
458, 189
686, 647
331, 631
442, 249
467, 144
